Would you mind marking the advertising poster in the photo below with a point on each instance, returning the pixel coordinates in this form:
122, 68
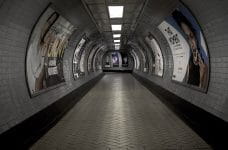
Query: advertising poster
136, 60
98, 63
107, 61
115, 60
82, 60
91, 58
188, 46
146, 60
76, 59
124, 60
48, 41
157, 62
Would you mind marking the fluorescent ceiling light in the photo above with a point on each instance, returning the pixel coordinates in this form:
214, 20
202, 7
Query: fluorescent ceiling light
116, 41
116, 35
116, 27
117, 44
116, 11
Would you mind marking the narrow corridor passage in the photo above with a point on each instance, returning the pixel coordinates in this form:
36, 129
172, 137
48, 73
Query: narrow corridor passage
120, 114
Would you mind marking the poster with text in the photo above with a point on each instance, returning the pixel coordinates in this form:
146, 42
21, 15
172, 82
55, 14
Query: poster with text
76, 59
48, 41
157, 63
188, 46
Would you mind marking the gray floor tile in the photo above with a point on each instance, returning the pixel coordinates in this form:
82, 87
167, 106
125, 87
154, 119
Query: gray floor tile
120, 114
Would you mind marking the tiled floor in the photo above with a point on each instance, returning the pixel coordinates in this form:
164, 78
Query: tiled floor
120, 114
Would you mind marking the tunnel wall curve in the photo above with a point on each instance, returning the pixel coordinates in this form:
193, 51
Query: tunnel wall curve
212, 17
17, 22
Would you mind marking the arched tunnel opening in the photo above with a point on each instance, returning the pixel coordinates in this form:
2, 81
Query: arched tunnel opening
113, 74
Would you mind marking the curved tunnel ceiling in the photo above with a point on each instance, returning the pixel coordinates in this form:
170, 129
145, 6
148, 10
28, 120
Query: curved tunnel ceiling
98, 10
90, 18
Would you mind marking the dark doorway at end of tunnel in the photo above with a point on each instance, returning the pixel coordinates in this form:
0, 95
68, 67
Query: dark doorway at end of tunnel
117, 61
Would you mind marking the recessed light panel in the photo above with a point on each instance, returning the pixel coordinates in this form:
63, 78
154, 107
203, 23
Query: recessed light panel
116, 27
116, 35
115, 11
116, 41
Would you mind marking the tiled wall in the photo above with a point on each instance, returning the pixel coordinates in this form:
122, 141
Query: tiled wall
213, 18
17, 21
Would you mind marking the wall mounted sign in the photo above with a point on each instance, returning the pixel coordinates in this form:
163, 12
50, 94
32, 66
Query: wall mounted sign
157, 63
188, 46
77, 57
48, 41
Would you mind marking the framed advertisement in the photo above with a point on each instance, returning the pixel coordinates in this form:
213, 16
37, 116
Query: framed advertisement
136, 60
188, 47
125, 59
157, 56
90, 68
77, 70
115, 59
107, 60
82, 62
97, 62
45, 50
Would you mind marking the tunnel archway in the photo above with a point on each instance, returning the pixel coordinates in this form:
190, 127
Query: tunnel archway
177, 49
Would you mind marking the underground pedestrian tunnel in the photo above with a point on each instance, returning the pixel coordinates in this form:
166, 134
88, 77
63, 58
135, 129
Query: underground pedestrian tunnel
113, 74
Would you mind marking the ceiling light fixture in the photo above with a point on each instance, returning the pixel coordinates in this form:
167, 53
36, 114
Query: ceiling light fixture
116, 41
116, 11
117, 27
116, 35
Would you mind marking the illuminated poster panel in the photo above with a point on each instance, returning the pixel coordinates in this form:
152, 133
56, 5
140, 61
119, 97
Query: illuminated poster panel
76, 59
157, 56
107, 61
97, 61
188, 46
82, 60
124, 60
115, 59
48, 41
136, 59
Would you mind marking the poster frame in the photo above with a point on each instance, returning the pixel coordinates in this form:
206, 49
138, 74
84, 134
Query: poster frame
35, 94
127, 65
86, 40
208, 52
163, 58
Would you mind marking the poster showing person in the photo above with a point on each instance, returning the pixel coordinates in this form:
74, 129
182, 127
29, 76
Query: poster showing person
188, 46
157, 62
115, 59
76, 58
124, 59
48, 41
